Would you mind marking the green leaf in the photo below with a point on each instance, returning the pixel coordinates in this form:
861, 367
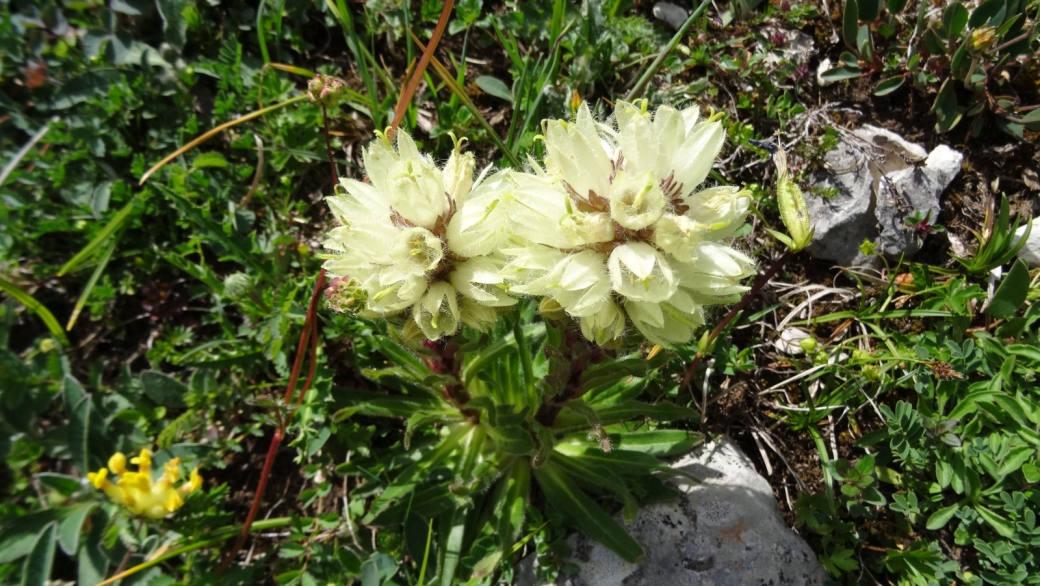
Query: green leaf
77, 409
1025, 351
938, 519
402, 357
175, 26
1031, 120
163, 389
209, 160
869, 9
515, 489
576, 506
1014, 461
896, 6
36, 307
947, 112
82, 87
495, 87
37, 568
64, 485
1011, 293
954, 19
350, 401
850, 24
410, 477
70, 527
840, 73
18, 536
865, 42
667, 442
989, 13
487, 565
451, 544
1010, 405
1004, 527
512, 439
889, 85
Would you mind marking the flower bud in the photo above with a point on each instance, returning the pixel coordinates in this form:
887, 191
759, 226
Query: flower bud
416, 191
325, 90
238, 286
808, 344
345, 295
606, 325
793, 210
982, 39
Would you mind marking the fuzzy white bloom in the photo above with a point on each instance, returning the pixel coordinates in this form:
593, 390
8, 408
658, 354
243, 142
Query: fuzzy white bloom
394, 239
639, 235
613, 229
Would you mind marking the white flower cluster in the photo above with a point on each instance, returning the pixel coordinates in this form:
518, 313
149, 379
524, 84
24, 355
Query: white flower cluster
609, 225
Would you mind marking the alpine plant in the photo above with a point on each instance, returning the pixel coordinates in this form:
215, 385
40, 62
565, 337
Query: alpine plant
611, 226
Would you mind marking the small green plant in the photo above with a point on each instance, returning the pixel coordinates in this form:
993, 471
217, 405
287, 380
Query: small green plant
997, 243
971, 57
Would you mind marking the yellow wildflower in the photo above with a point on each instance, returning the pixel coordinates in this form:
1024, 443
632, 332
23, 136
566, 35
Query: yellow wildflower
138, 493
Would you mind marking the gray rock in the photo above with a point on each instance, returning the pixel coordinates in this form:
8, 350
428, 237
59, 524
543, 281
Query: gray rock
880, 179
917, 189
672, 15
844, 214
726, 531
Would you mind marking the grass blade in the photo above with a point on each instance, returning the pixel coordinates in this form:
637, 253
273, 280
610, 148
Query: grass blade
651, 71
36, 307
10, 166
260, 36
82, 301
102, 237
449, 81
413, 84
361, 57
215, 131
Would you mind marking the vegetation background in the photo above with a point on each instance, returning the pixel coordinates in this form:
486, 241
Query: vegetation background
902, 443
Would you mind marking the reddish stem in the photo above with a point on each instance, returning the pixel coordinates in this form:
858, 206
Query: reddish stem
424, 61
260, 487
309, 334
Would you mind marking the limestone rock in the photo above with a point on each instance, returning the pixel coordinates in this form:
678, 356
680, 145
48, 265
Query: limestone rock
726, 531
842, 207
872, 181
